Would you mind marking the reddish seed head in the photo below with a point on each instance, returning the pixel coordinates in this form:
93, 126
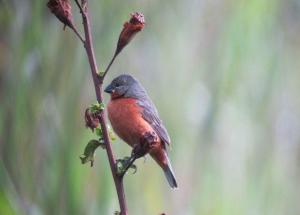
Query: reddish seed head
62, 10
91, 119
137, 18
135, 24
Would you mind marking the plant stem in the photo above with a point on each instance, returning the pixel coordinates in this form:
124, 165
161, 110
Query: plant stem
108, 67
98, 82
77, 34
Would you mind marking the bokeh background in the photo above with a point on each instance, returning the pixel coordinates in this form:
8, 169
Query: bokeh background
225, 76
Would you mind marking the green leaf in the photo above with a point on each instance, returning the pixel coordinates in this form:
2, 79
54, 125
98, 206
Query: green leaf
89, 152
97, 107
111, 133
99, 132
100, 74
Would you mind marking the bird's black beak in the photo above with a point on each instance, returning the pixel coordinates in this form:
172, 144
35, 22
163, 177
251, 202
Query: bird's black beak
109, 89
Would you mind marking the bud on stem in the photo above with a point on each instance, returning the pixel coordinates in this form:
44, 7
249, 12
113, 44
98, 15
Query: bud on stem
130, 29
62, 9
135, 24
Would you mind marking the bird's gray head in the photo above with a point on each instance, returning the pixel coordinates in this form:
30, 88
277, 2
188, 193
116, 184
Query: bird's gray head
125, 86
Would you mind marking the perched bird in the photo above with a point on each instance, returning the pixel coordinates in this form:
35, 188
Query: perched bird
134, 119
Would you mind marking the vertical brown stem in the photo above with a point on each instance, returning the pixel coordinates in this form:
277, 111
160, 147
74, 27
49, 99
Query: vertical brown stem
99, 93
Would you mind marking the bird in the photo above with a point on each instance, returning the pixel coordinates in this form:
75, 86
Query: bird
135, 119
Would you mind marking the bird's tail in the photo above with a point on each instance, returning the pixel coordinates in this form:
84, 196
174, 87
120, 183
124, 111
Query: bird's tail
170, 174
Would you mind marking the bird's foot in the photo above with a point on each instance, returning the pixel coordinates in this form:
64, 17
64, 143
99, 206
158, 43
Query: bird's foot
123, 165
147, 142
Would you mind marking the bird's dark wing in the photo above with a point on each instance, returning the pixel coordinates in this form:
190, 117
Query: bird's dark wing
150, 114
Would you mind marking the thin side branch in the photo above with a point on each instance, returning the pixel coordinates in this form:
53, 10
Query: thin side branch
80, 8
77, 34
108, 67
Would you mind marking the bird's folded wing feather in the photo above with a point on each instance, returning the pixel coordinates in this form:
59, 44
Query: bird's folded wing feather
150, 114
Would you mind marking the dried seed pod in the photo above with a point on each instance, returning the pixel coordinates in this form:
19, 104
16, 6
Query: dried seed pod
135, 24
91, 119
62, 9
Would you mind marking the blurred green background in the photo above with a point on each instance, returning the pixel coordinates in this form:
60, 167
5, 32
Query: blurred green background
225, 76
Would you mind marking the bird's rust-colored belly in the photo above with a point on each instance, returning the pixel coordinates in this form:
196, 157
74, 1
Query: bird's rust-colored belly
126, 119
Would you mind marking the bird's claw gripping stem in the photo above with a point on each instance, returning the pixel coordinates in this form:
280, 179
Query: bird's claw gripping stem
124, 164
139, 150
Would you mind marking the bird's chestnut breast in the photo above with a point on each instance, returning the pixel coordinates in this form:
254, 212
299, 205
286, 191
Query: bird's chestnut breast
126, 119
